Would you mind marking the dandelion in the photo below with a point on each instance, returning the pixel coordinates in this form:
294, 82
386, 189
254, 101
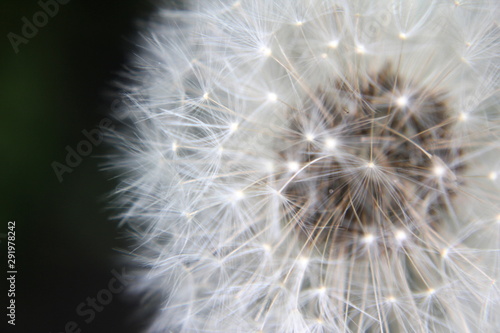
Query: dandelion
316, 166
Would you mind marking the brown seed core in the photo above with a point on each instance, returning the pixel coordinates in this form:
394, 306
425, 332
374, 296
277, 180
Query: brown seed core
394, 163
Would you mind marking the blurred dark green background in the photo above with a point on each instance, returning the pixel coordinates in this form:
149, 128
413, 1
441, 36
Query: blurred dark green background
58, 84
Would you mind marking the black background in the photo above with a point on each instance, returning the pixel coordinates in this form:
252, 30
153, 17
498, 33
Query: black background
60, 83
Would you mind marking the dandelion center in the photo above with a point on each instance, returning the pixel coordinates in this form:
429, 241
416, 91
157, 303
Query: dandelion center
392, 169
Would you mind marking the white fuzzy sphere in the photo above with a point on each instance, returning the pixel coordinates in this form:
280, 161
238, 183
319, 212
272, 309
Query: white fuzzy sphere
316, 166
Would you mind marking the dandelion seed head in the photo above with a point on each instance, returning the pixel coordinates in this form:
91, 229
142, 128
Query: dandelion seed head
368, 238
401, 235
266, 51
267, 247
303, 261
272, 97
333, 44
238, 195
402, 101
293, 166
310, 137
463, 116
188, 215
439, 170
360, 49
233, 127
330, 143
391, 299
315, 166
